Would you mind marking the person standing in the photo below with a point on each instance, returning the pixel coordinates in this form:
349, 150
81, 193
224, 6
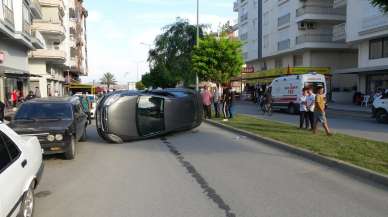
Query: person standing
225, 103
86, 106
37, 93
206, 102
303, 119
14, 98
310, 107
231, 103
216, 100
320, 114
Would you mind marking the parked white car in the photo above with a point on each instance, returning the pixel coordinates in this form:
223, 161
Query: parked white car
380, 110
21, 169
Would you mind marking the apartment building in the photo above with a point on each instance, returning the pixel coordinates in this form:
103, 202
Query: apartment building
365, 28
63, 58
16, 40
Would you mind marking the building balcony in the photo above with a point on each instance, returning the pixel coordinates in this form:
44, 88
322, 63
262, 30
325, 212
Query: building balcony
374, 24
339, 32
340, 3
8, 17
54, 56
318, 41
50, 29
320, 13
36, 10
54, 3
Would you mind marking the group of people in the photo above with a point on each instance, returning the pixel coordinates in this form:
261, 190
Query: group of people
222, 100
313, 110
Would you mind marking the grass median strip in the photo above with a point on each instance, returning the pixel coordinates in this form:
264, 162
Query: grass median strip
365, 153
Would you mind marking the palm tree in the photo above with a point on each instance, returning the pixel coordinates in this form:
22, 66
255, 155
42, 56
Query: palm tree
108, 79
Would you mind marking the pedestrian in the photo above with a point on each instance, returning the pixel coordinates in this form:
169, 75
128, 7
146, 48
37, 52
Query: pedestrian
207, 102
216, 100
310, 107
231, 103
320, 114
30, 95
303, 116
225, 103
2, 110
37, 93
86, 106
14, 98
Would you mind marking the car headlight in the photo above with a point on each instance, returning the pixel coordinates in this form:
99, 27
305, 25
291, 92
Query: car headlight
112, 99
51, 138
59, 137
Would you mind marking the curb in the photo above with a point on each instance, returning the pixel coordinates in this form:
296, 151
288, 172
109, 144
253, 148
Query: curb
350, 169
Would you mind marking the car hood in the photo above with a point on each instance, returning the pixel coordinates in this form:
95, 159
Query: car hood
25, 127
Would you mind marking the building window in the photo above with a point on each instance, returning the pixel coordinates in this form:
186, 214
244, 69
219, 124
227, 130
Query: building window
8, 11
378, 48
244, 37
278, 63
27, 20
298, 60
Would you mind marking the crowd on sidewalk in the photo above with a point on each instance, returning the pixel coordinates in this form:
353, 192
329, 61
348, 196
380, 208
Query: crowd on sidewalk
221, 98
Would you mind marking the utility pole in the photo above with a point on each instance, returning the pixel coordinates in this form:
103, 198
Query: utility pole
196, 73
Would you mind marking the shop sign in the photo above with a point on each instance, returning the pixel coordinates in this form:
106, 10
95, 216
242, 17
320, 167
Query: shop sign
2, 56
248, 69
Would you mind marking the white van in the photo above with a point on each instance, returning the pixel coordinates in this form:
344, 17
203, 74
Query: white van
287, 90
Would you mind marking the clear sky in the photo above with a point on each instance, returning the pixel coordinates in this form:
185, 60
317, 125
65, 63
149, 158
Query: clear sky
116, 29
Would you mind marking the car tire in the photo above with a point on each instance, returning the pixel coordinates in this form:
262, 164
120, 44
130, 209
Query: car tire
382, 116
71, 150
28, 202
84, 136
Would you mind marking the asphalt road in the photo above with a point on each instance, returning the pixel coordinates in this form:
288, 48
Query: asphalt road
206, 172
359, 125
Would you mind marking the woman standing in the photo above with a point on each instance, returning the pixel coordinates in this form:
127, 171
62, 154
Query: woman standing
304, 118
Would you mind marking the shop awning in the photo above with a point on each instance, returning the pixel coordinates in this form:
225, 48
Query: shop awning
274, 73
364, 70
12, 72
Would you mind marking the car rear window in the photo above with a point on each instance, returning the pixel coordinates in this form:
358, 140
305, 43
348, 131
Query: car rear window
32, 111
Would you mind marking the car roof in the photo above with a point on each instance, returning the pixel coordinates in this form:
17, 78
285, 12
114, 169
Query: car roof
66, 99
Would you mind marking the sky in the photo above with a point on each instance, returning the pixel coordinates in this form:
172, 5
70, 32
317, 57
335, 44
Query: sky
120, 34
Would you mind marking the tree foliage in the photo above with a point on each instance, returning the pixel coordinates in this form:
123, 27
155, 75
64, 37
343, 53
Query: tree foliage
382, 4
218, 59
108, 79
170, 60
140, 85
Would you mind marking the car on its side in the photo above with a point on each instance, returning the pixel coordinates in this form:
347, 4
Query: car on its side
21, 169
380, 109
131, 115
58, 122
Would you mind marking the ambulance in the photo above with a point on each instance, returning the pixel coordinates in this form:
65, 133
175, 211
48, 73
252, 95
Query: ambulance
286, 90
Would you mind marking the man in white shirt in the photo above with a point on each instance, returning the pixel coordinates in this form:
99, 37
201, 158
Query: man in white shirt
310, 106
304, 119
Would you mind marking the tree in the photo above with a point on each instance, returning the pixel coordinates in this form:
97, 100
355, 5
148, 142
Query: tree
108, 79
140, 85
170, 60
382, 4
217, 59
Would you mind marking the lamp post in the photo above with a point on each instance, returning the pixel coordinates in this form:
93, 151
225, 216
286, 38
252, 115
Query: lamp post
196, 73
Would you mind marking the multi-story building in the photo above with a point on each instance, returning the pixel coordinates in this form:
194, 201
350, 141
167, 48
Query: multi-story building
16, 40
62, 59
365, 28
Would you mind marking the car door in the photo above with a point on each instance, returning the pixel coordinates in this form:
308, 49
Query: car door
80, 119
150, 115
13, 174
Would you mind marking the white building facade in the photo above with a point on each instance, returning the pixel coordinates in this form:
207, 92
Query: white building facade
16, 40
366, 28
59, 63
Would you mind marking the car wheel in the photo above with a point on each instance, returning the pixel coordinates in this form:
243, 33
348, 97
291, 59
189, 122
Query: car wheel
84, 135
70, 153
27, 205
381, 116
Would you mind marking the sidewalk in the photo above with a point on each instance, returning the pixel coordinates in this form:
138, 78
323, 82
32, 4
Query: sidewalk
348, 108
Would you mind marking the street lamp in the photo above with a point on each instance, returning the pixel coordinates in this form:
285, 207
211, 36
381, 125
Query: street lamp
196, 73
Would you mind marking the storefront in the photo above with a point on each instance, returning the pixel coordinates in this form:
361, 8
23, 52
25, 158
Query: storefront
376, 82
13, 80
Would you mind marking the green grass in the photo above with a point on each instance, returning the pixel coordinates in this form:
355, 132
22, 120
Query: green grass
365, 153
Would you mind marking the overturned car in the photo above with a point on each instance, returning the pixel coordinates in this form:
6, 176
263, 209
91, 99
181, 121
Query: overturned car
132, 115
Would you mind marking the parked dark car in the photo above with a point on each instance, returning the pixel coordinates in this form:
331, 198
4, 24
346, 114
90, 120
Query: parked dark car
130, 115
57, 122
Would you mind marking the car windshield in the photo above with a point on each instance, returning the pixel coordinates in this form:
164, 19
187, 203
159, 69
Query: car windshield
44, 111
